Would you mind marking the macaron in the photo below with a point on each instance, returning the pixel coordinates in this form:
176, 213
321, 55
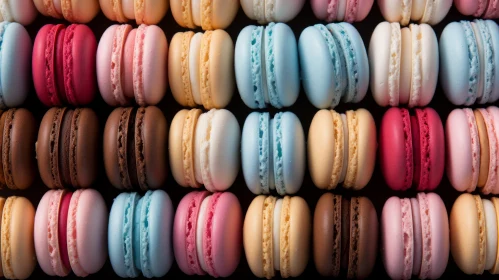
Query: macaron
478, 8
405, 70
342, 149
412, 149
149, 12
76, 11
471, 143
207, 233
345, 236
468, 59
70, 232
273, 153
64, 65
201, 69
341, 10
431, 12
140, 234
266, 65
204, 149
67, 148
15, 50
207, 14
266, 11
473, 234
132, 65
415, 237
334, 65
135, 154
276, 236
21, 11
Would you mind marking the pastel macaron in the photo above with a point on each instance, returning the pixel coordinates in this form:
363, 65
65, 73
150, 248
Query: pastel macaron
334, 64
469, 60
273, 153
207, 14
64, 65
76, 11
405, 70
415, 237
276, 236
412, 149
266, 11
342, 149
21, 11
149, 12
132, 65
345, 236
70, 232
207, 233
266, 65
341, 10
204, 149
431, 12
139, 235
478, 8
201, 68
134, 148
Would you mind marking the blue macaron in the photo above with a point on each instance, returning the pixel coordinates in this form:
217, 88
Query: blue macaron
266, 66
273, 153
140, 234
334, 64
469, 56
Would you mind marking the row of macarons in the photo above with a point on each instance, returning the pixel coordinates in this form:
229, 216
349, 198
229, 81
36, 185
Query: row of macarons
143, 234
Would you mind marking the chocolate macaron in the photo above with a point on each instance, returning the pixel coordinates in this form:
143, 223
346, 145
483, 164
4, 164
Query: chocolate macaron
67, 147
135, 153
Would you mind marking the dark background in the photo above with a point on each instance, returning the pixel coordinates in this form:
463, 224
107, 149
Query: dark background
376, 190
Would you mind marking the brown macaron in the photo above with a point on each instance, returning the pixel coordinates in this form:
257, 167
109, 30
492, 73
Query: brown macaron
345, 236
67, 147
135, 148
17, 163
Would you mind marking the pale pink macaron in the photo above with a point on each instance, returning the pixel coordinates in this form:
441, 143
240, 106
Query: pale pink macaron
478, 8
20, 11
341, 10
132, 64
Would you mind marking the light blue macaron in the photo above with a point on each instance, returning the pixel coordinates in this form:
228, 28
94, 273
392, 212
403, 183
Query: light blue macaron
273, 153
140, 234
334, 64
266, 66
15, 64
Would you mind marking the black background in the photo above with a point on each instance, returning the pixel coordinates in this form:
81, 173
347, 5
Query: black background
376, 190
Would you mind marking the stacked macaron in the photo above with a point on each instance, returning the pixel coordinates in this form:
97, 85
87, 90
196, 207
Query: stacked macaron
64, 65
201, 68
469, 62
478, 8
204, 148
345, 236
273, 153
142, 11
422, 11
404, 64
341, 10
342, 149
472, 139
135, 154
207, 14
415, 237
334, 65
21, 11
77, 11
70, 232
139, 235
276, 236
207, 233
266, 64
131, 64
412, 149
474, 234
266, 11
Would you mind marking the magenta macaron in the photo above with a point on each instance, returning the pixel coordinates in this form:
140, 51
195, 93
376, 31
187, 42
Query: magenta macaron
341, 10
207, 233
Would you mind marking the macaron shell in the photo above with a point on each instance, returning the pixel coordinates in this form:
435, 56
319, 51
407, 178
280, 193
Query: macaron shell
23, 11
286, 10
175, 147
178, 52
2, 203
221, 69
321, 148
42, 144
362, 9
182, 14
81, 11
50, 11
223, 13
299, 235
152, 11
41, 234
491, 228
320, 8
154, 63
252, 236
87, 147
368, 238
494, 36
440, 10
494, 114
467, 7
110, 146
495, 202
293, 152
250, 150
391, 10
430, 64
379, 60
244, 66
366, 148
484, 149
439, 235
393, 238
38, 65
436, 153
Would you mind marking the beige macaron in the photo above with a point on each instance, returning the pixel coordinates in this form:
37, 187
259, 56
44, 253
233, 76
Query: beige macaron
76, 11
148, 12
208, 14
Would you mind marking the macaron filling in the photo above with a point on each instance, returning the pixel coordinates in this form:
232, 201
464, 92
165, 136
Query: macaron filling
68, 64
474, 62
424, 210
188, 138
406, 6
417, 65
278, 157
354, 238
267, 238
185, 72
205, 151
482, 239
353, 161
276, 234
65, 147
269, 10
200, 232
259, 10
256, 65
475, 148
339, 147
408, 235
138, 63
409, 164
345, 149
263, 151
394, 67
488, 59
5, 11
205, 69
54, 146
63, 228
270, 66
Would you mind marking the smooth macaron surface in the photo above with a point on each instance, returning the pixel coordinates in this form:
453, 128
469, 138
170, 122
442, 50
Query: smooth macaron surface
431, 12
480, 8
207, 14
352, 11
77, 11
23, 12
149, 12
265, 11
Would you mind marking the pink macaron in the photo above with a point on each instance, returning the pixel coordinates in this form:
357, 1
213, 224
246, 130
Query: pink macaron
207, 233
478, 8
341, 10
70, 232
